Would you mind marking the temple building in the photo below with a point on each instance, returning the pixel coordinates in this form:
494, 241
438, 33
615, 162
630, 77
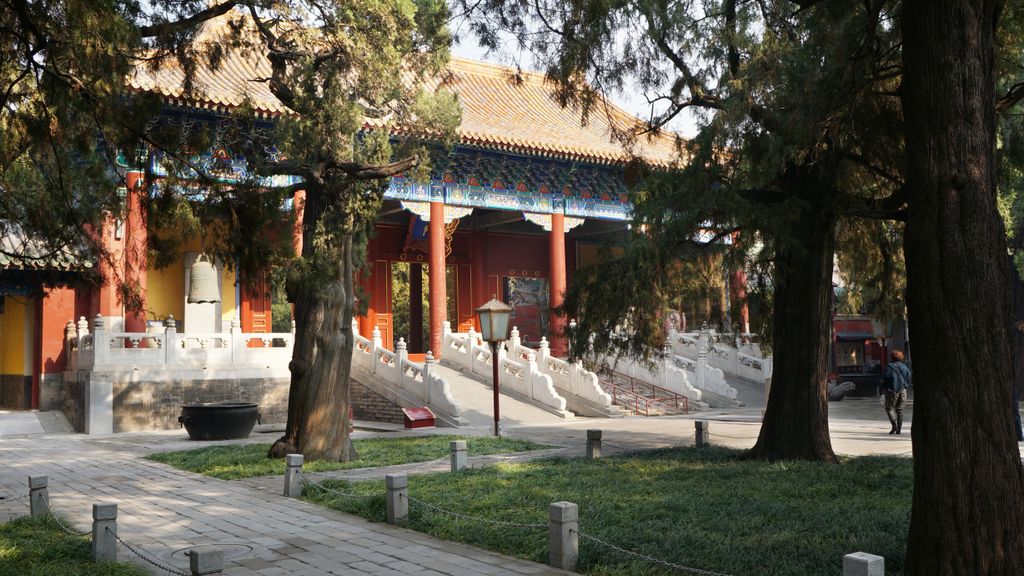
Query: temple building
526, 197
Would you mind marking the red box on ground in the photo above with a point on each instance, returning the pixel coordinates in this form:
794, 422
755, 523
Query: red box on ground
418, 417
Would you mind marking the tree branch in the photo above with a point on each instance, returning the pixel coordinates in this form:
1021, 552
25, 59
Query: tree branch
1013, 95
356, 171
165, 28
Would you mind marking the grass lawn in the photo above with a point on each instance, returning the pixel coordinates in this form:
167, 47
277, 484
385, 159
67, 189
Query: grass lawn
38, 547
246, 461
699, 508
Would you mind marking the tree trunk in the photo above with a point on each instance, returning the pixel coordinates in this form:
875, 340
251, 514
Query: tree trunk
318, 400
968, 514
795, 424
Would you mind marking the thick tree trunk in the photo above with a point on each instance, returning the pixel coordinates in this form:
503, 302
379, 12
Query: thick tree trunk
318, 400
968, 514
795, 425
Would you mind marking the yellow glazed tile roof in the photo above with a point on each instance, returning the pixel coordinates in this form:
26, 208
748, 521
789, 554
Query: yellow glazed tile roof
496, 112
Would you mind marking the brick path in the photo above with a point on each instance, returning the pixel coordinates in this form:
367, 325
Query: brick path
165, 511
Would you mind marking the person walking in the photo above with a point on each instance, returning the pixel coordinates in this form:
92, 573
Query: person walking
896, 380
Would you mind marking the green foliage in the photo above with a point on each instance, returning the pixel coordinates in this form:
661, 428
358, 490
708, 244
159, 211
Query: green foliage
249, 460
706, 509
38, 547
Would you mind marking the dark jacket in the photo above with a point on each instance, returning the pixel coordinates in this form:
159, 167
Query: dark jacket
896, 377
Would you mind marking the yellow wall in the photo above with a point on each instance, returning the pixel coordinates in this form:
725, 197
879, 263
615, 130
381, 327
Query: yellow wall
227, 305
12, 334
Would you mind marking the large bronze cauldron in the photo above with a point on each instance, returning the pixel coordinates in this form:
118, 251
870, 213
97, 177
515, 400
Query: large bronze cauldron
219, 420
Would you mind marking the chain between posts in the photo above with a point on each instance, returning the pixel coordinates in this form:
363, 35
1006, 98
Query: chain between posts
338, 492
476, 518
63, 526
733, 437
664, 563
146, 557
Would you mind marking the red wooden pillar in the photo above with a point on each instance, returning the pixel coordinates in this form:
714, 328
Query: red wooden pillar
478, 261
738, 291
136, 243
556, 246
367, 322
438, 290
415, 308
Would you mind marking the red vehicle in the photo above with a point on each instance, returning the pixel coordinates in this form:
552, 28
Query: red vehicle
858, 354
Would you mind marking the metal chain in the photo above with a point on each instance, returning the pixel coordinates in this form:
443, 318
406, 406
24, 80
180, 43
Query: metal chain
21, 498
146, 557
64, 527
649, 558
476, 518
337, 492
734, 437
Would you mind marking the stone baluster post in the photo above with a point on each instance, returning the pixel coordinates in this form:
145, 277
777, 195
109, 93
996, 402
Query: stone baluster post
543, 353
38, 495
238, 343
533, 373
397, 498
171, 340
293, 475
428, 369
401, 357
471, 338
863, 564
71, 346
206, 562
100, 342
702, 360
375, 344
104, 532
563, 535
514, 342
458, 455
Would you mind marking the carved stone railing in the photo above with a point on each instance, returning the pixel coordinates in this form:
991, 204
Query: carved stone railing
741, 358
417, 380
102, 350
570, 378
524, 378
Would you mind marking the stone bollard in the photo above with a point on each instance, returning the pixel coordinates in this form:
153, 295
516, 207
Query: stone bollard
593, 444
458, 455
701, 433
293, 475
563, 535
397, 499
863, 564
38, 495
104, 532
203, 562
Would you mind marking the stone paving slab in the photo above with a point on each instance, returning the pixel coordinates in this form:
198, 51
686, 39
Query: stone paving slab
167, 511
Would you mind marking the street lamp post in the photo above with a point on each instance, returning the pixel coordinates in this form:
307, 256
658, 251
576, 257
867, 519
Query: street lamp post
495, 325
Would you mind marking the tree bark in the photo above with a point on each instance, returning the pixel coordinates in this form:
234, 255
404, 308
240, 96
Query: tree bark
968, 514
795, 425
318, 399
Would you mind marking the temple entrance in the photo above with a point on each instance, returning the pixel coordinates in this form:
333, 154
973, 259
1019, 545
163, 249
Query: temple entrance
410, 303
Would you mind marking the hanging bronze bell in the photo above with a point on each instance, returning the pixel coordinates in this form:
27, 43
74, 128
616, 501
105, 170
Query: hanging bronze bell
202, 286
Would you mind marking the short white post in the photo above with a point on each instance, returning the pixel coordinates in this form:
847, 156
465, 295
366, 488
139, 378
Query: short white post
100, 342
428, 369
38, 495
593, 444
397, 498
701, 433
471, 337
104, 532
863, 564
293, 475
514, 342
563, 535
543, 353
238, 343
170, 341
71, 345
204, 562
458, 455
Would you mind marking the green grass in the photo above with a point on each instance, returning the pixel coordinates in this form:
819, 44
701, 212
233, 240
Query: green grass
246, 461
38, 547
699, 508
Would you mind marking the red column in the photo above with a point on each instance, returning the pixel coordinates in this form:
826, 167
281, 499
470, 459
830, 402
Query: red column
438, 290
556, 245
478, 262
369, 321
415, 308
299, 209
738, 291
136, 243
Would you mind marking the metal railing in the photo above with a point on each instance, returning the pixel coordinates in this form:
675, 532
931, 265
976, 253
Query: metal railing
643, 396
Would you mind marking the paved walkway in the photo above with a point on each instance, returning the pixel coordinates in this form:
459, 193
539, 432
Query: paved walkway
165, 511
